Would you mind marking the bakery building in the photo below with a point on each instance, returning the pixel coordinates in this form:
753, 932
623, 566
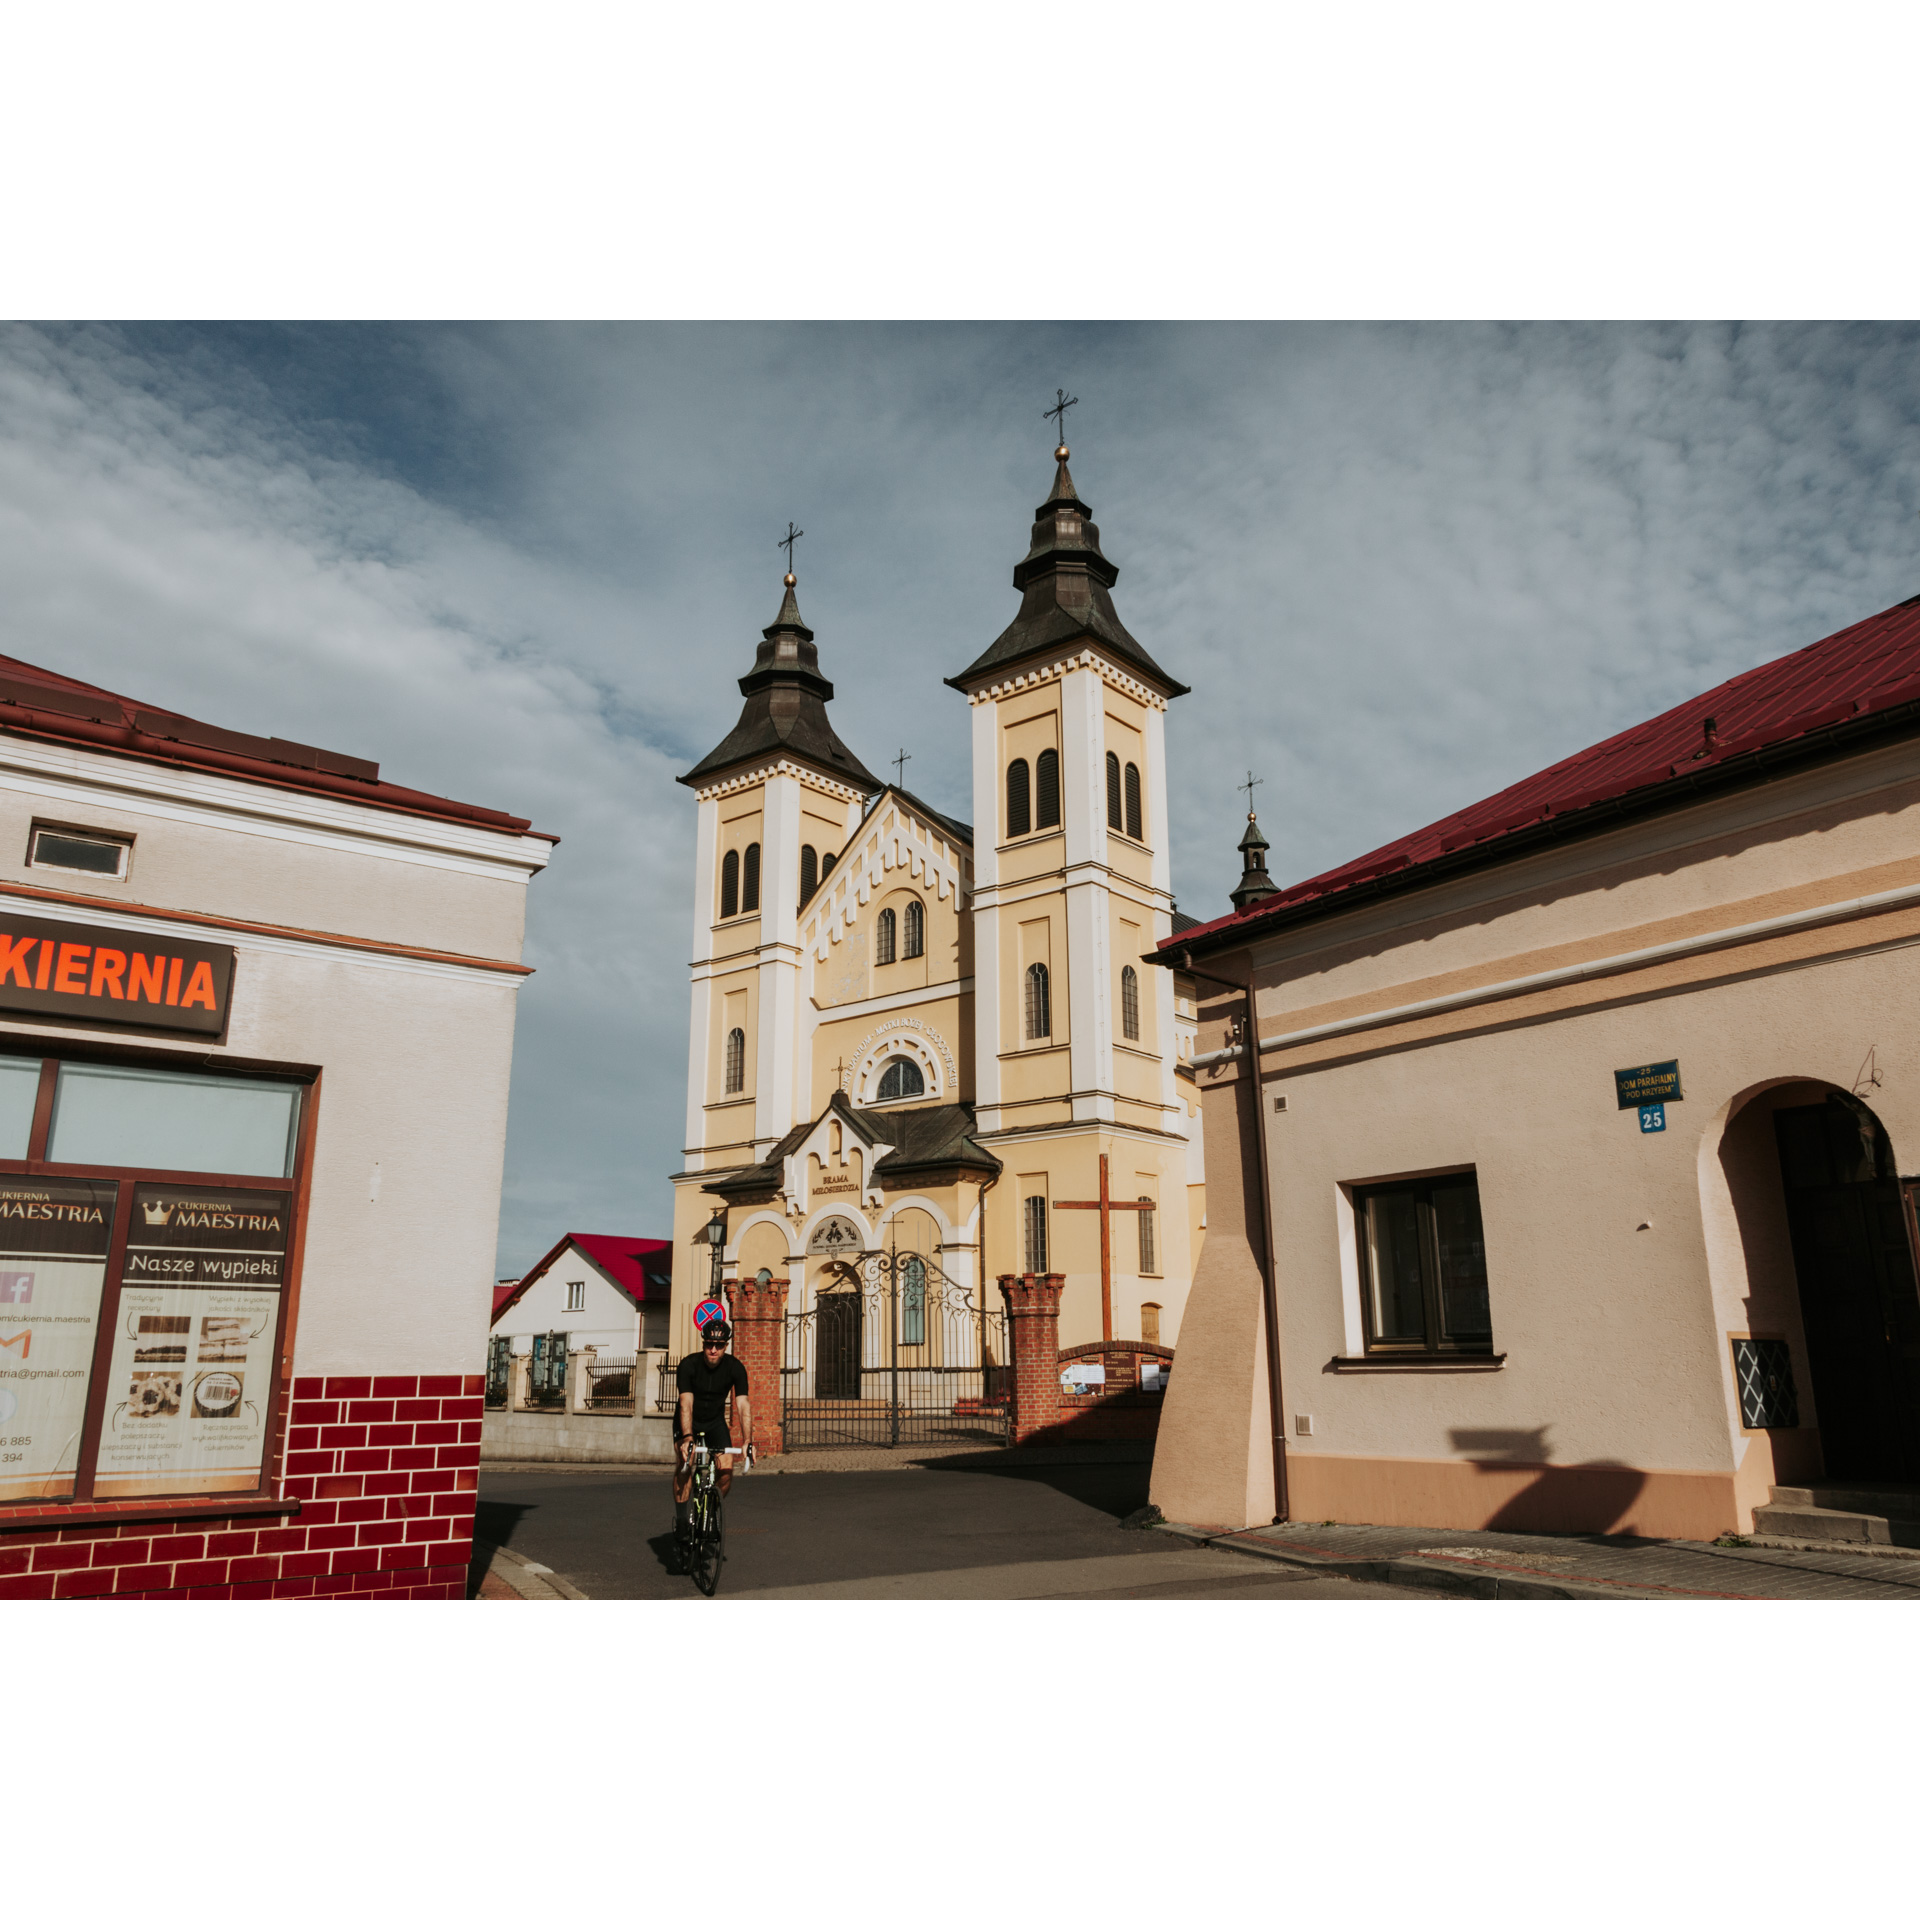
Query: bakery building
1568, 1181
256, 1025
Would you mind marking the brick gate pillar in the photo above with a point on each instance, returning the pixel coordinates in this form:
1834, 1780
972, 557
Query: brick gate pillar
758, 1311
1033, 1308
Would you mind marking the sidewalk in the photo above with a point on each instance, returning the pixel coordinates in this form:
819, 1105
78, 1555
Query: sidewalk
1513, 1566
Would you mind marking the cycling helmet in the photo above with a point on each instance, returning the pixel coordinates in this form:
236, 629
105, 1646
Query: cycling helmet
716, 1331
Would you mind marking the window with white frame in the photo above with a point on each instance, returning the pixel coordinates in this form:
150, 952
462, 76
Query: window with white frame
78, 850
576, 1296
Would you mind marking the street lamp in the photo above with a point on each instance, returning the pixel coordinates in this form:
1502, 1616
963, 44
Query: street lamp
716, 1238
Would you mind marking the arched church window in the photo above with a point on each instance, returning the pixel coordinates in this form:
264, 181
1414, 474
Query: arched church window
1039, 1004
913, 1301
750, 880
809, 873
1113, 792
1133, 802
1129, 1004
901, 1081
736, 1061
883, 931
729, 885
1019, 809
1047, 781
916, 931
828, 861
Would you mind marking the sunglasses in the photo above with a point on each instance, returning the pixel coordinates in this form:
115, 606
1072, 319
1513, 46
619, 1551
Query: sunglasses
714, 1346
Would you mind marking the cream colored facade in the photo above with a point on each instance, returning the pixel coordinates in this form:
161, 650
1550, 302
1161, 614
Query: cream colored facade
823, 1014
1765, 937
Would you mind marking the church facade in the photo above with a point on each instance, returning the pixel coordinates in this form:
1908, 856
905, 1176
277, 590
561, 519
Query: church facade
931, 1047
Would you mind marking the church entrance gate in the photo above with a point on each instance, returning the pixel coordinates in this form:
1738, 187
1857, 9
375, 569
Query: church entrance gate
893, 1353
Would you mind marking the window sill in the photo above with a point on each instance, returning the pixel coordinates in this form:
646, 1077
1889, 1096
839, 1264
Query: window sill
114, 1513
1417, 1363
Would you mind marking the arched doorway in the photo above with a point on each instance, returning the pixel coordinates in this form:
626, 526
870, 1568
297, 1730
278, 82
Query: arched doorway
1847, 1218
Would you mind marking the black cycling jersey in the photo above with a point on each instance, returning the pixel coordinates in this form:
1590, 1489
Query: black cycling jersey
710, 1387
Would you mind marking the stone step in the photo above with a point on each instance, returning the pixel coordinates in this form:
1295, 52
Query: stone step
1790, 1520
1890, 1502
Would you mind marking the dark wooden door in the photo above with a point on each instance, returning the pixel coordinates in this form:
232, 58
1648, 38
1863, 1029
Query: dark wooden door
837, 1357
1858, 1298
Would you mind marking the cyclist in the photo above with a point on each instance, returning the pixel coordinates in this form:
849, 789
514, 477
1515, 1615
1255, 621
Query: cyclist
705, 1379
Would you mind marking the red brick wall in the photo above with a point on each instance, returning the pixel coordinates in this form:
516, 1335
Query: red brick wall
385, 1469
758, 1314
1043, 1416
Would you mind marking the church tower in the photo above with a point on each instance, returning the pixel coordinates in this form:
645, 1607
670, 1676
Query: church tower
777, 799
1076, 1049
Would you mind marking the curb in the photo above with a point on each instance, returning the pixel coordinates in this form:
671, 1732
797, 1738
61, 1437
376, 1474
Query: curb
529, 1579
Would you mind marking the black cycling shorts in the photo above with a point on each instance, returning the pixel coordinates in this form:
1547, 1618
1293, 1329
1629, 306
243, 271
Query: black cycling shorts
718, 1440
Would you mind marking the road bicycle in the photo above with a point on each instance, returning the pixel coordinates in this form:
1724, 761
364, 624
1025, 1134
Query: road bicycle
707, 1517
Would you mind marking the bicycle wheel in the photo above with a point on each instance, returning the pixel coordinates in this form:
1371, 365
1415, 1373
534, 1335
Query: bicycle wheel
710, 1545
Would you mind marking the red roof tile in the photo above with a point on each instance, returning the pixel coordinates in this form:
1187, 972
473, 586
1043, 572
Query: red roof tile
37, 701
1848, 678
641, 1269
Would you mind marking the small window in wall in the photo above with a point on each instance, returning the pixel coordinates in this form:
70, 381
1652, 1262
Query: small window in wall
1035, 1249
1150, 1322
1019, 800
1149, 1262
1133, 802
1047, 780
74, 850
916, 931
1423, 1266
729, 885
902, 1080
1113, 791
913, 1301
1039, 1004
884, 929
809, 873
750, 880
1129, 1004
736, 1081
576, 1296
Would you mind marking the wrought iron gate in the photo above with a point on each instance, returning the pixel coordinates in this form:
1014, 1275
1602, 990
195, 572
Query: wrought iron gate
894, 1352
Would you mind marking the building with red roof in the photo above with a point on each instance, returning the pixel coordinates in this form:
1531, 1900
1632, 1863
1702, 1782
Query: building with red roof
1578, 1136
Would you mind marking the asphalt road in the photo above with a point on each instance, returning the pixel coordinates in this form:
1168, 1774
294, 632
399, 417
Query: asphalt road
969, 1528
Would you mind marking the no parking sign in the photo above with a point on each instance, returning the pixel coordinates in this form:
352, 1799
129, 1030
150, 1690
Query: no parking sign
707, 1312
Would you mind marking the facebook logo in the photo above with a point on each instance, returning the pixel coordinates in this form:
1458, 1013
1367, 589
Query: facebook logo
16, 1289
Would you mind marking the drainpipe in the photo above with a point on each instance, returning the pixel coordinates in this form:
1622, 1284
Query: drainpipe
1269, 1281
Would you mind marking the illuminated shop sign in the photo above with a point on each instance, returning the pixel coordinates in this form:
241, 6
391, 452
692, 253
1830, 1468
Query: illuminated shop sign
108, 977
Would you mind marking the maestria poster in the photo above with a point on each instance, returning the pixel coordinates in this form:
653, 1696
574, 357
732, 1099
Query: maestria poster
193, 1351
54, 1236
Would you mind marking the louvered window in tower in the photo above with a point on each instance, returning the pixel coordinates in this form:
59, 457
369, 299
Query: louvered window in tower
1133, 802
1113, 792
1149, 1263
729, 885
1047, 780
736, 1060
1019, 809
1039, 1004
1129, 1004
809, 872
750, 880
1036, 1234
883, 934
916, 931
828, 861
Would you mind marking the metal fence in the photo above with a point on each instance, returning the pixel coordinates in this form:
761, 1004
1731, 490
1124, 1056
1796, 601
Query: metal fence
611, 1380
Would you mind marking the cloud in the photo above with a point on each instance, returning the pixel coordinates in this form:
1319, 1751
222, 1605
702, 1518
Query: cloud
1401, 566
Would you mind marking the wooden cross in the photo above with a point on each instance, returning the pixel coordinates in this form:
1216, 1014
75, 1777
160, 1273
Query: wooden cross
1059, 412
1106, 1207
793, 533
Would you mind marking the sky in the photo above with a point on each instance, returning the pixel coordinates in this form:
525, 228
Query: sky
1400, 565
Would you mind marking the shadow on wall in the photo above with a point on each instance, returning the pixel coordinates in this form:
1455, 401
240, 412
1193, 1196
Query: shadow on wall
1589, 1496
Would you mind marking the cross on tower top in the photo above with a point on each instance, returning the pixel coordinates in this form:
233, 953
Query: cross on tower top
793, 533
900, 760
1249, 783
1059, 411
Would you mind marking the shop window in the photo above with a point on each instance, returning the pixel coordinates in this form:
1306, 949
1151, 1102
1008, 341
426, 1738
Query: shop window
576, 1296
809, 874
729, 885
1039, 1004
1423, 1266
901, 1081
884, 929
19, 1088
191, 1123
1149, 1261
1133, 803
1129, 1004
1113, 792
1035, 1250
1046, 782
736, 1081
913, 1301
915, 930
1019, 801
104, 854
1150, 1322
750, 880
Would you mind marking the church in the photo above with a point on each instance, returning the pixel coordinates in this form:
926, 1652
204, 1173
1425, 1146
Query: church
928, 1052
